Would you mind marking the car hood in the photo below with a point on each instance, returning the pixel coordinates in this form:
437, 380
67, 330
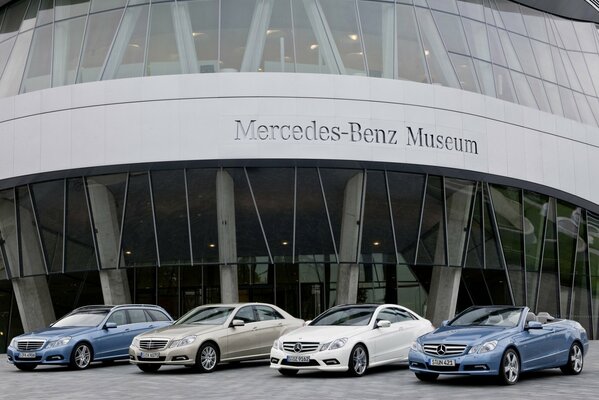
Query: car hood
180, 331
464, 335
52, 333
323, 334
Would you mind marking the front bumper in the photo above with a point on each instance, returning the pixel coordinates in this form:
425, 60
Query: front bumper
467, 364
329, 360
56, 355
177, 356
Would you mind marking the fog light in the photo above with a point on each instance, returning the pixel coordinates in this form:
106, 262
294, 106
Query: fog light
482, 367
55, 358
331, 361
274, 360
180, 358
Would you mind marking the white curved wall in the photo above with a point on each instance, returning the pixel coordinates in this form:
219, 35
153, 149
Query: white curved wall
193, 117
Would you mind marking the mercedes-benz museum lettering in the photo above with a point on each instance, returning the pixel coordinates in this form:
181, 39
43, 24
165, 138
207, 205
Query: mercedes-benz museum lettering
304, 153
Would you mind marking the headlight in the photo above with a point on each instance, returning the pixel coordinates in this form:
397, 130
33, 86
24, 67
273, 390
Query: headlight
58, 343
13, 343
483, 348
135, 342
416, 346
334, 345
277, 345
183, 342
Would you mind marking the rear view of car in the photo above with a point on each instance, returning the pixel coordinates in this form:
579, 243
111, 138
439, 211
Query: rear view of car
90, 333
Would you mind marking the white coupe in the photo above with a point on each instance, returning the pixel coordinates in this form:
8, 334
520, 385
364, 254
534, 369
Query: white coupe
349, 338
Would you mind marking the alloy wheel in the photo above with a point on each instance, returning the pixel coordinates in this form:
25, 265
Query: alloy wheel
82, 356
576, 359
511, 367
208, 358
359, 360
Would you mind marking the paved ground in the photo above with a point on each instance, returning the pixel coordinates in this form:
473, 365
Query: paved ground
257, 381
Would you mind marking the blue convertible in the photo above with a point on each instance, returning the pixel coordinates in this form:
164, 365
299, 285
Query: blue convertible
501, 341
90, 333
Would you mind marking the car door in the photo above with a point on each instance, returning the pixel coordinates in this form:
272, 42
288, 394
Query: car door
139, 322
384, 340
241, 340
270, 326
110, 341
537, 347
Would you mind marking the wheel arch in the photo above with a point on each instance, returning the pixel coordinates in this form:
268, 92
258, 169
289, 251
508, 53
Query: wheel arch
89, 344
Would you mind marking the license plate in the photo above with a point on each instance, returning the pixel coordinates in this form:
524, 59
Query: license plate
442, 363
26, 355
298, 359
150, 355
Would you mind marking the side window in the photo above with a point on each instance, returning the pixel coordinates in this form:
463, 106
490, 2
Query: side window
246, 314
137, 316
404, 315
266, 313
155, 315
119, 317
388, 315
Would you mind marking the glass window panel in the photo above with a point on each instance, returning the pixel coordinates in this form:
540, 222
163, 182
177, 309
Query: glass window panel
307, 48
524, 51
497, 56
444, 5
8, 231
377, 23
565, 32
171, 217
592, 61
13, 73
145, 283
317, 288
439, 65
410, 53
49, 203
475, 256
523, 91
191, 288
535, 218
472, 9
313, 238
492, 16
211, 284
343, 23
139, 242
484, 71
163, 52
580, 68
13, 18
585, 32
554, 98
2, 12
274, 193
377, 233
30, 16
459, 197
574, 83
204, 20
584, 109
377, 283
593, 243
492, 247
134, 2
535, 23
452, 32
466, 73
476, 33
30, 248
560, 71
167, 289
127, 56
102, 5
473, 289
538, 90
101, 30
67, 47
70, 8
542, 53
107, 201
594, 103
5, 49
432, 243
569, 244
508, 51
278, 55
201, 186
80, 254
503, 83
287, 288
570, 109
45, 14
3, 276
498, 287
236, 17
581, 298
511, 16
37, 72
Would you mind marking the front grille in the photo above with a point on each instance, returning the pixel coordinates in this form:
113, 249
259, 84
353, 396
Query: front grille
30, 345
153, 344
444, 349
300, 347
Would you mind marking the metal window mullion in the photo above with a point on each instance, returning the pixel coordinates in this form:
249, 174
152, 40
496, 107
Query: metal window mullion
390, 207
470, 223
18, 232
220, 20
326, 207
37, 227
428, 72
120, 249
446, 51
482, 225
445, 223
82, 43
523, 249
110, 48
294, 219
92, 224
188, 215
541, 259
361, 34
52, 46
422, 205
258, 215
147, 44
361, 220
293, 36
574, 266
470, 55
559, 282
589, 277
154, 221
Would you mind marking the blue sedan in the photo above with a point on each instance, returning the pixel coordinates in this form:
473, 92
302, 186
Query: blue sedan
501, 341
90, 333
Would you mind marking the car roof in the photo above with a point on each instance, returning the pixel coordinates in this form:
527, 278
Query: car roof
105, 307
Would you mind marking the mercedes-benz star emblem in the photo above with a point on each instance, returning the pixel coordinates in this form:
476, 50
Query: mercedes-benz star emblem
297, 348
441, 349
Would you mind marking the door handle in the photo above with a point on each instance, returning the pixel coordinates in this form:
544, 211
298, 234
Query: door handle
255, 328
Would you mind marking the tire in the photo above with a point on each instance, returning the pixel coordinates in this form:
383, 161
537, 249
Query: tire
509, 368
81, 357
288, 372
25, 367
208, 357
575, 360
149, 367
358, 361
426, 377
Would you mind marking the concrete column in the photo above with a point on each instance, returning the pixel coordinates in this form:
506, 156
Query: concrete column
115, 285
34, 302
227, 240
349, 272
445, 281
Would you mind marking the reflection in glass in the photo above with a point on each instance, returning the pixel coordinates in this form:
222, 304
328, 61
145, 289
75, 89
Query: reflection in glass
13, 18
163, 50
484, 71
5, 49
476, 33
201, 189
80, 254
70, 8
13, 72
102, 5
377, 21
101, 30
377, 233
459, 197
493, 251
523, 91
30, 249
8, 231
278, 55
549, 293
465, 71
48, 198
475, 255
236, 18
535, 219
581, 299
569, 245
37, 71
431, 246
203, 17
503, 83
310, 53
570, 109
593, 243
67, 47
410, 53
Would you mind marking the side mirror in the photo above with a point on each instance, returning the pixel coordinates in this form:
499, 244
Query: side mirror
237, 322
306, 323
534, 325
444, 323
110, 325
383, 324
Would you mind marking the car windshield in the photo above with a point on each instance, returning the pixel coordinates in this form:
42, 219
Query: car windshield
206, 316
345, 316
87, 318
507, 317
